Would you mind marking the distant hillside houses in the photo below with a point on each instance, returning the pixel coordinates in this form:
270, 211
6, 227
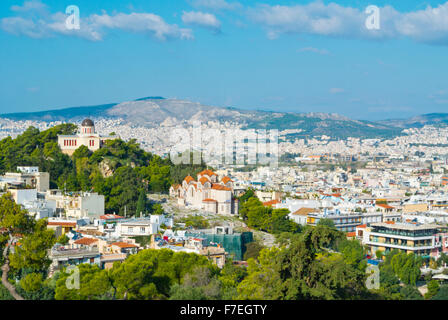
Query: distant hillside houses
207, 193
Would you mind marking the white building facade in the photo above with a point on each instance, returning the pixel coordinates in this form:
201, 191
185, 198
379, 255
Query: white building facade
86, 136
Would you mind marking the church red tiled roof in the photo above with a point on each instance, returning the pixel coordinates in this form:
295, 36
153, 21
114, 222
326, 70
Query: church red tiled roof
226, 179
188, 179
203, 180
207, 172
217, 186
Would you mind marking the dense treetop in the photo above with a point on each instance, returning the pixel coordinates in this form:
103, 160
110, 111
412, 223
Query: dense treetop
120, 170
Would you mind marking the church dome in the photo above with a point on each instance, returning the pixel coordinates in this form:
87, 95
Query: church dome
87, 123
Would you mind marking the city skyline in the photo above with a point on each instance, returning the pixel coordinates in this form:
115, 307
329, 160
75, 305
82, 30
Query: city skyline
313, 56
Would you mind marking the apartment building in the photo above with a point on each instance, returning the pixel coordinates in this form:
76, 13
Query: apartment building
26, 177
345, 222
77, 204
425, 240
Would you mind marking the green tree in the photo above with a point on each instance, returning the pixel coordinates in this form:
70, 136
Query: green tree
230, 277
32, 282
250, 193
406, 267
442, 294
199, 284
141, 203
252, 250
15, 222
263, 280
353, 253
410, 293
327, 222
433, 289
279, 222
195, 222
306, 269
94, 284
32, 253
151, 273
81, 152
389, 283
379, 254
157, 209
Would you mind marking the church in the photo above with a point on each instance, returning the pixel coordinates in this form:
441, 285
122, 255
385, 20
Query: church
86, 136
207, 193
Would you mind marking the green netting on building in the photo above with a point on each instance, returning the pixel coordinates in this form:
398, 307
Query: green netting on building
234, 244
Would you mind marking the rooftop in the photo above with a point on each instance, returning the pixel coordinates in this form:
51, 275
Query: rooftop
407, 226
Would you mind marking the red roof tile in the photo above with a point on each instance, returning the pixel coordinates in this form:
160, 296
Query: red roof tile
203, 180
111, 216
226, 179
62, 224
385, 206
270, 203
216, 186
207, 172
86, 241
124, 245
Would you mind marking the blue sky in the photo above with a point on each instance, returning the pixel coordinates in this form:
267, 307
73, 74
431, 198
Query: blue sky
299, 56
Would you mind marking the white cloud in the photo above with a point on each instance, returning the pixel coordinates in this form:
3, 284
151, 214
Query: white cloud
140, 22
428, 25
216, 4
439, 97
336, 90
33, 5
93, 27
201, 19
32, 89
314, 50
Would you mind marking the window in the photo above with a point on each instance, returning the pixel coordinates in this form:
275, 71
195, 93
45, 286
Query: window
142, 229
130, 229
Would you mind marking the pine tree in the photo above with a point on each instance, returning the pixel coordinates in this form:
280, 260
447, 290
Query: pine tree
141, 202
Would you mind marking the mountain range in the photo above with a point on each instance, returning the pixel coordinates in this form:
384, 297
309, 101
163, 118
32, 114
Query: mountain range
155, 111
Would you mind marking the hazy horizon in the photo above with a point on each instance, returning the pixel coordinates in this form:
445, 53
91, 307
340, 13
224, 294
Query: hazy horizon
286, 56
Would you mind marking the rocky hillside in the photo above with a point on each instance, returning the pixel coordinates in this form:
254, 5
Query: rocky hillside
155, 111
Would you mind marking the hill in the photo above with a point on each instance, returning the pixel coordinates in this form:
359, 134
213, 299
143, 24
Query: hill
419, 121
66, 114
155, 111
